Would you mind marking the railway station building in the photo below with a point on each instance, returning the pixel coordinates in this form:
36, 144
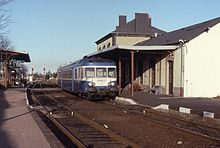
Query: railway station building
8, 66
183, 62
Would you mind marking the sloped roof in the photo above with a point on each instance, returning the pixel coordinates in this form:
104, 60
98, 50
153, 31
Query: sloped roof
130, 28
186, 34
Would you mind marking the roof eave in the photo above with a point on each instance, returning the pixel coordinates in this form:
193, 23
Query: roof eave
136, 48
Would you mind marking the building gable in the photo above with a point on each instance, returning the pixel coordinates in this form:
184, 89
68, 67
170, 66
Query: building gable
185, 34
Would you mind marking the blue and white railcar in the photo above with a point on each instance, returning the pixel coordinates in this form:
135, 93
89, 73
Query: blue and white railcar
90, 77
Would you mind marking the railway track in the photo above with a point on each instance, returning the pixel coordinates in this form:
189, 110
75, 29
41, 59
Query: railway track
81, 130
91, 137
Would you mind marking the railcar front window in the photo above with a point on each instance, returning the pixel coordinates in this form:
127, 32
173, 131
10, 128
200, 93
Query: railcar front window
111, 72
101, 72
89, 72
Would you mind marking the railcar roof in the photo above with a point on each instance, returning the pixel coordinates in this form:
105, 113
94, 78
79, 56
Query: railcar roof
96, 62
90, 62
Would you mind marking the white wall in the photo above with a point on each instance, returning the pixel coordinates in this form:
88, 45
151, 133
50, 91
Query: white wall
202, 65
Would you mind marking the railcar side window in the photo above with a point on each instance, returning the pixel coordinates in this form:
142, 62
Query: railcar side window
59, 75
75, 73
67, 74
78, 75
101, 72
81, 73
111, 72
89, 72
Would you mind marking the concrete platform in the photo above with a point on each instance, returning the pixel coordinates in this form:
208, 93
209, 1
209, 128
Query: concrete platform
203, 106
17, 126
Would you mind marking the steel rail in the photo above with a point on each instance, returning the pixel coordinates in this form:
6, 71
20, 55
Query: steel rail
152, 119
187, 121
177, 119
72, 137
185, 130
180, 120
175, 127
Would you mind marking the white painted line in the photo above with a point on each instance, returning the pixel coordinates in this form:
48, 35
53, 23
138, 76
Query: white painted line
126, 100
184, 110
208, 114
162, 106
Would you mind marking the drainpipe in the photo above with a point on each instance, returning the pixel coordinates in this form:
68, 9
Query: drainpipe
119, 75
182, 45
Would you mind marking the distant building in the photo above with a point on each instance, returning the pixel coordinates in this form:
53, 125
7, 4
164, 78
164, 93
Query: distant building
183, 62
130, 33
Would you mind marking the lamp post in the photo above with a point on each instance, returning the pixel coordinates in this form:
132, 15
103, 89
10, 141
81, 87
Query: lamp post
44, 68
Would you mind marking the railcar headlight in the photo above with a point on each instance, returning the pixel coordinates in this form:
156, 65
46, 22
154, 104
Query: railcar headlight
112, 83
91, 83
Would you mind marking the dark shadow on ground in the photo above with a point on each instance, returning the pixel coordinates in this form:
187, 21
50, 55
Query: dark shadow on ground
16, 116
4, 139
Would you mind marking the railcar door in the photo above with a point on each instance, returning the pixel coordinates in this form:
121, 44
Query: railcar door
73, 74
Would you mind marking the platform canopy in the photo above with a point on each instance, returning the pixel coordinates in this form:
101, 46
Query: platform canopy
123, 52
14, 55
118, 49
6, 75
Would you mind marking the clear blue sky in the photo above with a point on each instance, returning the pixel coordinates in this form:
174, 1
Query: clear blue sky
55, 32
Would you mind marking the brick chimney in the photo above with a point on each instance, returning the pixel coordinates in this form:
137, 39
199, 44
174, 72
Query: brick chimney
142, 22
122, 20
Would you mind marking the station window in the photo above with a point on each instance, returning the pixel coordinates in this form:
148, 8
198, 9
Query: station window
111, 72
89, 72
108, 45
101, 72
103, 47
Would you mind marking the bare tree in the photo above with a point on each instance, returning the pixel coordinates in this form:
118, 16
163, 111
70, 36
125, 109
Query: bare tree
4, 2
6, 44
5, 18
